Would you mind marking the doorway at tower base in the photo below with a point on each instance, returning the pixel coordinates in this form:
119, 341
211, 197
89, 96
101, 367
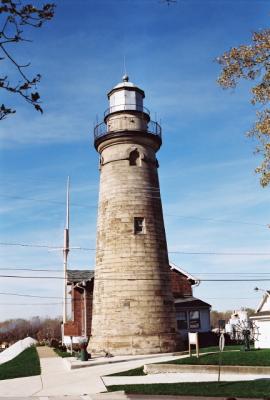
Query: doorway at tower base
133, 345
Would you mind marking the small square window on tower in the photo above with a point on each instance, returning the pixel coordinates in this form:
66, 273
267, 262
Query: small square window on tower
139, 225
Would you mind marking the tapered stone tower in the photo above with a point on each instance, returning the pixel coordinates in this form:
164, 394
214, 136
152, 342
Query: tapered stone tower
133, 308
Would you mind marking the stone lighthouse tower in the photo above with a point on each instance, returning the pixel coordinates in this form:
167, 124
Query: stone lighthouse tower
133, 308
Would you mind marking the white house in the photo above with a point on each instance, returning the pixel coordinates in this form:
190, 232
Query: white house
239, 319
192, 314
262, 320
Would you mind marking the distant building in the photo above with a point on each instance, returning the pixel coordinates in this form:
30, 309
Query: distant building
262, 320
192, 314
78, 325
238, 320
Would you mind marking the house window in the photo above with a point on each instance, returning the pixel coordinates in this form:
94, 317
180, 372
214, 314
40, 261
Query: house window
181, 320
139, 225
194, 320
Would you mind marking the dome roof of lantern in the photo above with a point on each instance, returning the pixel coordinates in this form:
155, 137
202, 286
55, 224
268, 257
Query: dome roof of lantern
125, 84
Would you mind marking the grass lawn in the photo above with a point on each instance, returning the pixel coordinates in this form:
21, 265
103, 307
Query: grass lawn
25, 364
250, 389
64, 354
139, 371
216, 348
253, 357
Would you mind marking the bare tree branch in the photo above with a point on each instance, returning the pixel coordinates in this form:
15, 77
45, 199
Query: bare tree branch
18, 15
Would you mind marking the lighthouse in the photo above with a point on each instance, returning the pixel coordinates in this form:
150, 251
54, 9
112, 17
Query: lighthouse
133, 307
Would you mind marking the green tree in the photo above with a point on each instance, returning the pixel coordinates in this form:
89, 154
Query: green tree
15, 17
252, 62
215, 316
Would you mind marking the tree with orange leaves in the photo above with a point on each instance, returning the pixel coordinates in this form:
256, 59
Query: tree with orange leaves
252, 62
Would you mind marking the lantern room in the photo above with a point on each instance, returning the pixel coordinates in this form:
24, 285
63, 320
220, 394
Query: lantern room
125, 96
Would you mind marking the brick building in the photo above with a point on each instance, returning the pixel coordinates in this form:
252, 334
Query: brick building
80, 297
192, 314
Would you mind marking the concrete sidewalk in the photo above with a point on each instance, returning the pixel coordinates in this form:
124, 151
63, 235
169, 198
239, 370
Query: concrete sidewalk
73, 363
57, 380
45, 352
82, 384
177, 378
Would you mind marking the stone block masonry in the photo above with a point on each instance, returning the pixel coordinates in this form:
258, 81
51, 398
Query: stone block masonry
133, 307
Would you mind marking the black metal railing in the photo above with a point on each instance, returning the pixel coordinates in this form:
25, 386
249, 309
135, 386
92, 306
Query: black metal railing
126, 107
152, 127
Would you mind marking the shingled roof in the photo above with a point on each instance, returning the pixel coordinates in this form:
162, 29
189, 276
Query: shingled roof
191, 278
191, 302
79, 275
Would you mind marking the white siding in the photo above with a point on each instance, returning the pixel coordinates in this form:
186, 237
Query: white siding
264, 334
266, 305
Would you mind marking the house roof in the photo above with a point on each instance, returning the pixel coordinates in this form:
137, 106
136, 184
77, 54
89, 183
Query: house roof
263, 301
191, 302
79, 275
260, 314
190, 277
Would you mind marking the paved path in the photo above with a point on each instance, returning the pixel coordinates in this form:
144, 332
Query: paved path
82, 384
178, 377
57, 380
46, 352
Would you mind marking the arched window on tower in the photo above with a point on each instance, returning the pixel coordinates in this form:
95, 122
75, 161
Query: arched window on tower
135, 158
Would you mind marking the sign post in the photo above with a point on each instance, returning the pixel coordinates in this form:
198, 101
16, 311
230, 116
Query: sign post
193, 339
221, 348
71, 345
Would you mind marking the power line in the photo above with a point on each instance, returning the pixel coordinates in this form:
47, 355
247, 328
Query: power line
210, 253
231, 273
80, 269
45, 246
32, 245
39, 200
155, 190
57, 297
30, 304
29, 295
138, 279
231, 298
230, 221
236, 280
171, 252
31, 277
32, 269
39, 297
61, 303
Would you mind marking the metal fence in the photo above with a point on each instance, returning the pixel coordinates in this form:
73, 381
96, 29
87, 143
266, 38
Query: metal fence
102, 129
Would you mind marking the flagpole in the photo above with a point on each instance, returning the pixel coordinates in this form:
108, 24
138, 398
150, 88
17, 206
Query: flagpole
65, 255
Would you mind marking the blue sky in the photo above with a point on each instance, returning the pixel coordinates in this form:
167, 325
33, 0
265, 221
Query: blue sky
211, 196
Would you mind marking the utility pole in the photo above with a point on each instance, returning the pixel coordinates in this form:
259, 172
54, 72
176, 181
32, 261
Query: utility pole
65, 255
